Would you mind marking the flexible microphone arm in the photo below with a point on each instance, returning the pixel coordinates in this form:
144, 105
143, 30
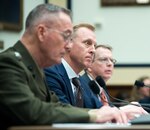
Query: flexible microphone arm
101, 82
94, 87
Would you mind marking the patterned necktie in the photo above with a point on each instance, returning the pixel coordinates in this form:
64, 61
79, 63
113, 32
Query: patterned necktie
103, 97
78, 93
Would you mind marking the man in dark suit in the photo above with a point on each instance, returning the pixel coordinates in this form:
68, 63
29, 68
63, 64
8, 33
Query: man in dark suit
24, 97
146, 102
103, 65
59, 82
59, 77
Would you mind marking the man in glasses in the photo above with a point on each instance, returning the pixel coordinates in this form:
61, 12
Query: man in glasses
103, 65
24, 96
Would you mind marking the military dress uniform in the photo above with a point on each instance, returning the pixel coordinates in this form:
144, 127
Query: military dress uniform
24, 97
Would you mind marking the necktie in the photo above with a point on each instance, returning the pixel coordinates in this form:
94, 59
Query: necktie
78, 93
103, 98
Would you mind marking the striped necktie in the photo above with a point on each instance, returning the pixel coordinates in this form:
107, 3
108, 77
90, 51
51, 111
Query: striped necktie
78, 92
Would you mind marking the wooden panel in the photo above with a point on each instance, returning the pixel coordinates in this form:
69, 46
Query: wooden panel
124, 2
11, 15
119, 91
126, 76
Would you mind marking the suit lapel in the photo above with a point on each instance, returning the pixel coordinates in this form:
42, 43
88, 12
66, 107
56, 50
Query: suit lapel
66, 79
86, 78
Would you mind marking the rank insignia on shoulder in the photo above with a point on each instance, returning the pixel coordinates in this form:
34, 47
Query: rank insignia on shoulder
17, 54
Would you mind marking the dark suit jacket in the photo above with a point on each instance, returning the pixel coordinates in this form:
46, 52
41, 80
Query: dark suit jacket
24, 98
145, 102
87, 80
58, 81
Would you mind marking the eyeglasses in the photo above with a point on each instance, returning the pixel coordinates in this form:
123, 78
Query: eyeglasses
66, 35
107, 60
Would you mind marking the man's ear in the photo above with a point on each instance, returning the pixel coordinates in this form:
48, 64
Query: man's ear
41, 32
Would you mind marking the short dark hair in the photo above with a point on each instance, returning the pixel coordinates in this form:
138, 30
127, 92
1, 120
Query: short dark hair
86, 25
82, 25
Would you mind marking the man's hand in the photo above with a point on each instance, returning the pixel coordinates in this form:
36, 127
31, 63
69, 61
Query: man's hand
132, 110
108, 114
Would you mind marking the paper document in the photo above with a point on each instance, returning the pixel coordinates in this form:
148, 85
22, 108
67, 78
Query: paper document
89, 125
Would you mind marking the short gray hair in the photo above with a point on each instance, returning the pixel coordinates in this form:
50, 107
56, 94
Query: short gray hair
41, 10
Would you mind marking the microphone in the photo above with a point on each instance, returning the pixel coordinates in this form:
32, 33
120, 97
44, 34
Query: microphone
102, 83
140, 84
94, 87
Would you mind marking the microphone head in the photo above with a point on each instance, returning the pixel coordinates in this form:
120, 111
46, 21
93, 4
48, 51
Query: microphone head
94, 87
100, 81
139, 84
